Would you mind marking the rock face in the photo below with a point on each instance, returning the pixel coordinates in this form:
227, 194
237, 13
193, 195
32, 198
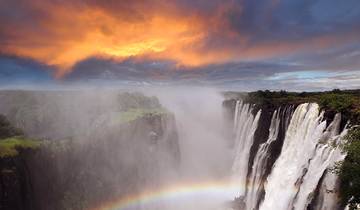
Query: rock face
116, 155
72, 175
16, 190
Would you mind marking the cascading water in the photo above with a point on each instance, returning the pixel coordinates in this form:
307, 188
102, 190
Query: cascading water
246, 125
255, 181
323, 157
304, 157
310, 148
327, 197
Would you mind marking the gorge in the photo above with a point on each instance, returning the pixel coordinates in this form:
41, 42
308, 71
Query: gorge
175, 150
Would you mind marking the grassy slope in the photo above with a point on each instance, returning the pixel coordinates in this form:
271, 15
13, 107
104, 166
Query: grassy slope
133, 114
9, 146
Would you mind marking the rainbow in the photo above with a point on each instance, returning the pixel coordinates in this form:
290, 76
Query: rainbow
210, 190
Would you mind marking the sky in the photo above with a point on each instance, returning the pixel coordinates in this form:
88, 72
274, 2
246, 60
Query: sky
232, 44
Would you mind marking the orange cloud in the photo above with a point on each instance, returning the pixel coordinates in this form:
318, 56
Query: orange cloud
64, 34
72, 34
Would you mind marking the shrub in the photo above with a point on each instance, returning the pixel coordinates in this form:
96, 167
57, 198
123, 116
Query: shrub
349, 170
336, 102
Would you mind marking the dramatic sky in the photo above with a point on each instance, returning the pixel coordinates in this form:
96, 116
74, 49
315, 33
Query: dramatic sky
234, 44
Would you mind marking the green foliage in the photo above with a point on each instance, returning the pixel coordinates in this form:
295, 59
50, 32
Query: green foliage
129, 101
336, 101
133, 114
349, 170
9, 146
274, 97
345, 101
11, 139
136, 105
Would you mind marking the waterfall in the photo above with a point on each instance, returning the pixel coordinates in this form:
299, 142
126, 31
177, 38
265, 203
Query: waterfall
300, 175
323, 157
328, 198
309, 149
255, 181
236, 114
246, 125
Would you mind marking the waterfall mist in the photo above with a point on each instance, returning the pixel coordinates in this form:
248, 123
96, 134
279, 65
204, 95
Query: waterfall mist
175, 149
200, 121
206, 155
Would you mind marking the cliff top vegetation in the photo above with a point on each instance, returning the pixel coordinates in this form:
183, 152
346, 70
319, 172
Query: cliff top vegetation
9, 147
11, 139
345, 101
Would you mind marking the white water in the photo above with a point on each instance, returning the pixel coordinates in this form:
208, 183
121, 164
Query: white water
255, 181
246, 125
305, 155
236, 118
323, 157
328, 197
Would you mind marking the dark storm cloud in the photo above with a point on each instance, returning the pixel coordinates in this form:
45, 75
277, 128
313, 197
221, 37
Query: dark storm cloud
13, 67
16, 71
159, 70
346, 57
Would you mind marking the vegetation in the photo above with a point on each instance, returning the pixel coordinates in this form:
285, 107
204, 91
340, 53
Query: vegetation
133, 114
9, 147
136, 105
135, 100
11, 139
349, 170
345, 101
117, 118
339, 102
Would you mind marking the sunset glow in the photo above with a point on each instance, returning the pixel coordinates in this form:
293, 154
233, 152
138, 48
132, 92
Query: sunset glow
186, 39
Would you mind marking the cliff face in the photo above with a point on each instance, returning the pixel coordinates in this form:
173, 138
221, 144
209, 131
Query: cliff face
72, 175
16, 190
109, 153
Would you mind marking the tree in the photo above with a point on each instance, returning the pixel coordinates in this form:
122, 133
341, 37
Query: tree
337, 102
